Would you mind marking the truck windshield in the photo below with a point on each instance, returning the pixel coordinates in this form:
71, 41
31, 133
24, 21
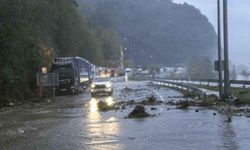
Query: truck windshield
65, 71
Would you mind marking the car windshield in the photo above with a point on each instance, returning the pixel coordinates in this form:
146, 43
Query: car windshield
101, 79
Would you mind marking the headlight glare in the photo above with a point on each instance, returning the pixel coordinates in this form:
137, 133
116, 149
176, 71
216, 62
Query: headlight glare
108, 85
92, 85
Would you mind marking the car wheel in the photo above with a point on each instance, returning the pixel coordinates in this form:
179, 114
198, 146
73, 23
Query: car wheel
111, 93
57, 92
73, 92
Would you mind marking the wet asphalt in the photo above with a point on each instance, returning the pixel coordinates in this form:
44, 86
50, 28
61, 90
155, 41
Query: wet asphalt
74, 122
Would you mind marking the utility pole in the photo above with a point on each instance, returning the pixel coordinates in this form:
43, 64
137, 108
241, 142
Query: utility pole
219, 48
226, 58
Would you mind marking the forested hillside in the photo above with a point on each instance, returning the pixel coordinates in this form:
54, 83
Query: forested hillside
154, 31
32, 32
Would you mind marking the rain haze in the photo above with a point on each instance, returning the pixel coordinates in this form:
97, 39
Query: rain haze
123, 74
239, 23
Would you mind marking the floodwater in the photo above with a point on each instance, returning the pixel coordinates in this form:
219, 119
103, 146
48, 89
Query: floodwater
74, 122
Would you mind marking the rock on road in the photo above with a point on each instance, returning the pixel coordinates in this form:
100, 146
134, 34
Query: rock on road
74, 122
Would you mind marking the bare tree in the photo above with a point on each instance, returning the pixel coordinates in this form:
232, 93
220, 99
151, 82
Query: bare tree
233, 73
245, 74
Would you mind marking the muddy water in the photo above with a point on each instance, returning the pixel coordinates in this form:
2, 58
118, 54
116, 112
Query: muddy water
76, 123
170, 129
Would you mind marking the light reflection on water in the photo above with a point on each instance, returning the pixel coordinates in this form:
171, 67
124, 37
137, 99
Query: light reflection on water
103, 131
93, 106
126, 78
110, 101
174, 129
228, 135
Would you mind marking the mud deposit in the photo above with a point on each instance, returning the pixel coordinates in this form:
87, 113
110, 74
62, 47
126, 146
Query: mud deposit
100, 123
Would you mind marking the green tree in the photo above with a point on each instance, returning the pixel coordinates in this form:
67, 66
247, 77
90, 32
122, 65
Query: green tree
110, 43
32, 34
200, 68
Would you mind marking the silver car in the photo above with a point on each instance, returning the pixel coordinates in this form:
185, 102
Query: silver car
101, 85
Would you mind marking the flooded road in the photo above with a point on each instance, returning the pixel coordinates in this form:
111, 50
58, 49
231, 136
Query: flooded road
74, 122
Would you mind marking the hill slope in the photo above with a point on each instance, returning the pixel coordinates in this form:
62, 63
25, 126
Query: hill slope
154, 31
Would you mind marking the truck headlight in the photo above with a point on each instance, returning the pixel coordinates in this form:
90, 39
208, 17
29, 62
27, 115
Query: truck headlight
108, 85
92, 85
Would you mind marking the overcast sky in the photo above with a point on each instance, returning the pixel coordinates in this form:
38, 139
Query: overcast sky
239, 25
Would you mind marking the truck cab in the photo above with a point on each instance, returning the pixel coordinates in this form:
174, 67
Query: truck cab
74, 74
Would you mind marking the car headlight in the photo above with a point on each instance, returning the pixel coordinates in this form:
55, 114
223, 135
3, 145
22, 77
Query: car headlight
108, 85
84, 79
92, 86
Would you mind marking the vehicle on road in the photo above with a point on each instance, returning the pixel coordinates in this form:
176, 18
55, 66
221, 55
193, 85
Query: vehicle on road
75, 74
129, 71
113, 73
101, 85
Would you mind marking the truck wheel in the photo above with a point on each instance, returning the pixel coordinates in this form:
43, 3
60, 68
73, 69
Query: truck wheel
92, 95
73, 91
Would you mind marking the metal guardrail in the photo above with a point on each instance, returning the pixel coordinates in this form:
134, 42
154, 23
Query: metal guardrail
181, 86
237, 82
184, 84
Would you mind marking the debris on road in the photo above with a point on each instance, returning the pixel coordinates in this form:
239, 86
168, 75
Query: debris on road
181, 96
182, 105
229, 120
131, 138
103, 106
195, 103
153, 108
188, 95
132, 102
126, 89
123, 107
235, 111
152, 100
171, 102
138, 112
210, 103
204, 103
